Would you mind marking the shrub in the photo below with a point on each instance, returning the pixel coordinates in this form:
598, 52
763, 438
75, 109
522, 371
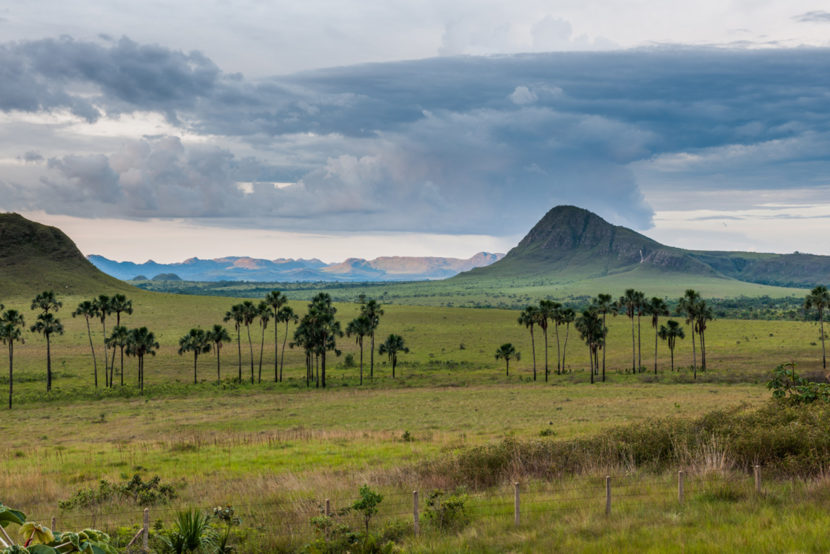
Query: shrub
143, 493
446, 511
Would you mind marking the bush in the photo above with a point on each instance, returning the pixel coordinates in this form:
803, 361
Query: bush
446, 511
143, 493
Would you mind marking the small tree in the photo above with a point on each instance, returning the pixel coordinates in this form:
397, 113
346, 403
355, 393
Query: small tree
507, 352
670, 332
391, 346
367, 504
196, 341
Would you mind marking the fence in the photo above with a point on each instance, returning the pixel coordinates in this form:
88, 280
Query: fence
291, 518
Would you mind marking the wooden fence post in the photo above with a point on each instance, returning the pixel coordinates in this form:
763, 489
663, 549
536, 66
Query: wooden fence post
145, 537
680, 491
757, 479
54, 522
608, 495
416, 521
516, 503
328, 507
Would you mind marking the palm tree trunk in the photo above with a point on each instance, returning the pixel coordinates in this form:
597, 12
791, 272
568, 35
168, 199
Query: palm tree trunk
218, 371
558, 351
565, 346
361, 360
48, 364
282, 352
106, 360
591, 362
545, 330
239, 348
317, 369
91, 347
702, 351
195, 357
372, 358
672, 357
122, 365
639, 346
655, 349
533, 349
276, 353
112, 367
633, 348
251, 348
604, 340
261, 350
694, 352
323, 368
11, 371
507, 366
823, 356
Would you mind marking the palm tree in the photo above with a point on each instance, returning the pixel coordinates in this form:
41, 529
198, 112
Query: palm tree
529, 318
198, 342
140, 343
629, 304
103, 307
819, 299
286, 315
603, 304
547, 311
11, 331
88, 310
302, 337
670, 333
46, 302
506, 352
391, 346
359, 327
235, 314
688, 305
249, 314
703, 314
264, 313
592, 332
325, 329
118, 339
217, 336
47, 325
567, 316
371, 309
276, 300
118, 304
656, 308
642, 309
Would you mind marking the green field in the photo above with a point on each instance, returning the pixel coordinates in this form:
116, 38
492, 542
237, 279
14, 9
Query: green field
276, 450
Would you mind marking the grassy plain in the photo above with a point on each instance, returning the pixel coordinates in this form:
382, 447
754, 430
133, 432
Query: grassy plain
276, 450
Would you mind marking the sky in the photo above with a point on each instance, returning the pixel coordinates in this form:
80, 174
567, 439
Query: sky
360, 128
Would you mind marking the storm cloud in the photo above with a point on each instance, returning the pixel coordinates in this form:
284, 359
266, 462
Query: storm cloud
455, 144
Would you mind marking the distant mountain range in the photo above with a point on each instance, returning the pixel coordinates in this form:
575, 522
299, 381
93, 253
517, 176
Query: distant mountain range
572, 244
387, 268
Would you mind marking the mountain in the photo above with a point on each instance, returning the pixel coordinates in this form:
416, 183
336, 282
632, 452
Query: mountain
35, 257
389, 268
572, 244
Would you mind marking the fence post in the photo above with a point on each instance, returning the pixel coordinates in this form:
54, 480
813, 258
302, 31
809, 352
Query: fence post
608, 495
680, 491
145, 537
416, 521
54, 521
757, 479
516, 503
328, 507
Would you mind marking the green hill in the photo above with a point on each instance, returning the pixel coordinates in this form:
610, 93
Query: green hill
572, 250
35, 257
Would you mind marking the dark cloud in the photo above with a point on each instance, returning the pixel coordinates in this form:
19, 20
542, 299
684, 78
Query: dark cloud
32, 157
465, 144
813, 17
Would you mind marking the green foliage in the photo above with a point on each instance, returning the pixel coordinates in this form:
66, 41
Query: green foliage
136, 490
39, 539
367, 504
191, 532
787, 385
446, 511
226, 516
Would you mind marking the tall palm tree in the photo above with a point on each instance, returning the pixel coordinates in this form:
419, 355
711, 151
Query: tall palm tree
104, 308
656, 307
567, 316
236, 315
819, 300
217, 336
276, 300
140, 343
118, 339
286, 315
198, 342
391, 347
688, 305
46, 302
264, 313
627, 304
303, 337
642, 309
592, 332
547, 312
670, 333
603, 304
529, 318
249, 314
325, 329
507, 352
373, 310
359, 327
11, 331
118, 304
703, 314
88, 310
47, 325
